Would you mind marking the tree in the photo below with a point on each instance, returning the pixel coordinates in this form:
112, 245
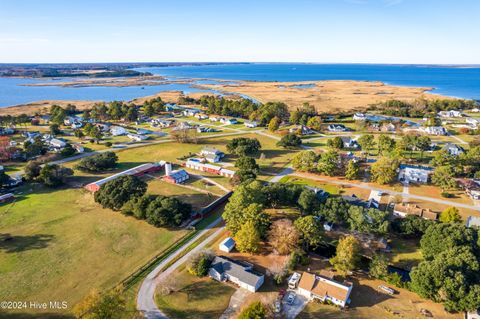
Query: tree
423, 143
315, 123
248, 164
305, 161
308, 201
385, 144
450, 215
283, 237
113, 194
234, 219
109, 305
248, 238
334, 210
243, 146
347, 255
443, 158
353, 170
378, 267
384, 170
256, 310
37, 147
32, 170
54, 175
137, 206
98, 162
55, 129
199, 263
167, 211
366, 142
67, 151
58, 114
184, 135
335, 143
311, 231
368, 220
274, 124
444, 177
290, 141
411, 226
329, 163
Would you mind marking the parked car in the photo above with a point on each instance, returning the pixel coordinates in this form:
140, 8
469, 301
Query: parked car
291, 298
386, 289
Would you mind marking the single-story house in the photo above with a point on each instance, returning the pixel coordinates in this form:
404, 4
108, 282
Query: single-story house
250, 124
390, 127
211, 154
142, 131
435, 130
451, 113
190, 112
177, 177
415, 174
238, 272
349, 142
118, 131
337, 128
203, 129
472, 121
214, 118
322, 288
475, 110
201, 116
402, 210
162, 123
57, 143
473, 221
453, 149
471, 187
227, 245
228, 121
137, 137
78, 148
302, 130
359, 117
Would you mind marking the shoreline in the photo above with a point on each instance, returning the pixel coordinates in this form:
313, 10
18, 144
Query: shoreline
326, 95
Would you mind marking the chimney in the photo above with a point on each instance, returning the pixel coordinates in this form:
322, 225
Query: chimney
168, 169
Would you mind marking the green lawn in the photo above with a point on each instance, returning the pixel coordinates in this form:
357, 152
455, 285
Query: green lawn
197, 298
405, 253
59, 244
332, 189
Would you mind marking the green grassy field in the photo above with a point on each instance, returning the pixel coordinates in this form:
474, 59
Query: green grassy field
58, 245
332, 189
197, 298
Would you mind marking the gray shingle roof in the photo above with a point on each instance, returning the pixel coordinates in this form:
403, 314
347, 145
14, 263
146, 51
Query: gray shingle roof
235, 269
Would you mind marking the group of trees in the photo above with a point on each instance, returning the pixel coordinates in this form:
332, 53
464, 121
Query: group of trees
51, 175
199, 263
98, 162
449, 273
115, 110
421, 107
306, 115
290, 140
243, 146
128, 194
153, 106
247, 169
329, 163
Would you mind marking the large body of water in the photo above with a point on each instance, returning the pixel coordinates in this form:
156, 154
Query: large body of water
452, 81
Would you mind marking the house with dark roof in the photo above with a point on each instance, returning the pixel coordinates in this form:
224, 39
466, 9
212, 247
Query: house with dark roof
349, 142
323, 288
239, 272
453, 149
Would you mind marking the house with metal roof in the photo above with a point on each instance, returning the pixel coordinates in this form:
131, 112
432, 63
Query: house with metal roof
415, 174
239, 272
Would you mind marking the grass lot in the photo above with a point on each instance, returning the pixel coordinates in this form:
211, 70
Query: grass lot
405, 253
196, 199
62, 245
332, 189
198, 298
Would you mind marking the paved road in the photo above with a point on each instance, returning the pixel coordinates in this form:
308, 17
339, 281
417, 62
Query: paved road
146, 294
365, 186
278, 177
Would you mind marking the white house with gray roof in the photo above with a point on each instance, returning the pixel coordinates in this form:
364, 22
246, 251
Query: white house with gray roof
239, 272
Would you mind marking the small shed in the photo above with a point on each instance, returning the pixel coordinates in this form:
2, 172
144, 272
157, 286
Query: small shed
227, 245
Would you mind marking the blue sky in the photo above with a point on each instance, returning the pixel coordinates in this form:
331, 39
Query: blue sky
345, 31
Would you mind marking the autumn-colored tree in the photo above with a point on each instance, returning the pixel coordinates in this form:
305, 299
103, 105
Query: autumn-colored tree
283, 236
347, 256
248, 238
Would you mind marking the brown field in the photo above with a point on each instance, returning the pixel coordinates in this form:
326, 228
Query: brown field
326, 96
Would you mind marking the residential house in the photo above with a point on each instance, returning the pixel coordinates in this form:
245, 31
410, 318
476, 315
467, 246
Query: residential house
453, 149
214, 118
415, 174
6, 197
471, 187
239, 272
7, 131
104, 127
142, 131
228, 121
137, 137
451, 113
76, 125
78, 148
349, 142
211, 154
57, 143
474, 122
203, 129
359, 117
250, 124
473, 221
389, 128
183, 126
118, 131
302, 130
227, 245
337, 128
201, 116
402, 210
322, 288
435, 130
190, 112
475, 110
